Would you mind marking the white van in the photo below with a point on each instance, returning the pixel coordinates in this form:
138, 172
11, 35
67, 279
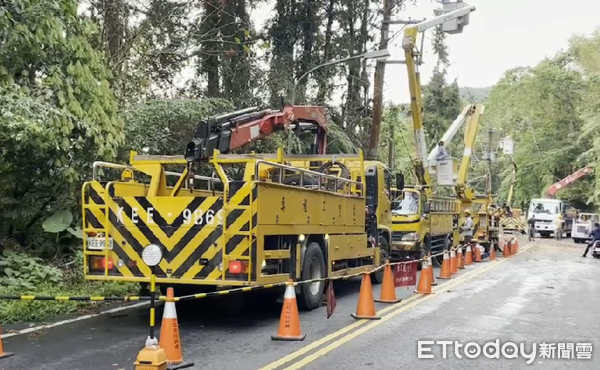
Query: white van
545, 211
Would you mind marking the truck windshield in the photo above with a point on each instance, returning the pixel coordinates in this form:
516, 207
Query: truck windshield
544, 208
406, 204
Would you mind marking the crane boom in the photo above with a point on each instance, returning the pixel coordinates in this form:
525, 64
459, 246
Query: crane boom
471, 130
552, 190
449, 135
512, 183
412, 55
230, 131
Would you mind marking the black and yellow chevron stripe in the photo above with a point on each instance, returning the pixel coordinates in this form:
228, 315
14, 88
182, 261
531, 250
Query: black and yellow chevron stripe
193, 246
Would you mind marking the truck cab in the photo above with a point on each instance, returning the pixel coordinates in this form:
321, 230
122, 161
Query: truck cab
419, 224
545, 212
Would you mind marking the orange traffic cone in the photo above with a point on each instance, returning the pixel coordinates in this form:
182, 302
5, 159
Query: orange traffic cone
2, 353
507, 248
169, 331
468, 255
492, 251
460, 258
477, 253
365, 309
453, 262
424, 286
431, 275
516, 246
289, 321
388, 288
445, 272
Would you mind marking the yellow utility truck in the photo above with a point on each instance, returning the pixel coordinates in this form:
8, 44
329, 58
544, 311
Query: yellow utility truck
423, 222
256, 220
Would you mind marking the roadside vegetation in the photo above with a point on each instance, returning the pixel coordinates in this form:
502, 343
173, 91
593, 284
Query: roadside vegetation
91, 80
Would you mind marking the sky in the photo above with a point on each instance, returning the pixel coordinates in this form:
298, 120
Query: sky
502, 34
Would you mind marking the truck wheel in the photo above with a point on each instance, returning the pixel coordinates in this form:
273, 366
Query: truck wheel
311, 294
377, 277
446, 246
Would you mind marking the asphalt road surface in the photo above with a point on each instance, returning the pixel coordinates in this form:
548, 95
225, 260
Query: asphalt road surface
546, 293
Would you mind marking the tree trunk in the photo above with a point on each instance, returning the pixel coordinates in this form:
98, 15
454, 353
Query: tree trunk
209, 57
373, 143
324, 86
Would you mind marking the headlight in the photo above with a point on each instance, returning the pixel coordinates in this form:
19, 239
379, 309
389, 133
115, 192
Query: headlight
411, 237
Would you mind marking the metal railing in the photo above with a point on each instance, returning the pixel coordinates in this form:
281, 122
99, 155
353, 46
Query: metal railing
99, 164
319, 176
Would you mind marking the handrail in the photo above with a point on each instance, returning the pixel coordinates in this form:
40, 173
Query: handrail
97, 164
303, 171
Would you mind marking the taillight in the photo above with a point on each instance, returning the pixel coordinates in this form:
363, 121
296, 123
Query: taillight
91, 234
237, 267
101, 263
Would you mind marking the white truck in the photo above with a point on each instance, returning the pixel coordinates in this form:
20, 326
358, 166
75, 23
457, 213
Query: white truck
583, 225
545, 211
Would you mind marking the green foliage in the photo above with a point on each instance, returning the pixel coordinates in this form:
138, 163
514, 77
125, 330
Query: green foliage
165, 126
540, 107
474, 94
22, 271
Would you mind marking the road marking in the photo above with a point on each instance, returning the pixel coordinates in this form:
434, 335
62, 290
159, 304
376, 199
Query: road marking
75, 319
398, 310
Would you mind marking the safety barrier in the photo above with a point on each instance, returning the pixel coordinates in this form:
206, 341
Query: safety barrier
155, 355
508, 243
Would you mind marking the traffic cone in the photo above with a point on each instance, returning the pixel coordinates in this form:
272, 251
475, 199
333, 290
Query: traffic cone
388, 288
431, 274
289, 321
453, 262
2, 353
445, 272
507, 248
460, 258
492, 251
516, 246
365, 308
468, 255
477, 253
169, 331
424, 286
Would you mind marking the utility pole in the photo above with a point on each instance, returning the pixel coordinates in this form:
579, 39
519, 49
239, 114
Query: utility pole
373, 143
489, 157
391, 148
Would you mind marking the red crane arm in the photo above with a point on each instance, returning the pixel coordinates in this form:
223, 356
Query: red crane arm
234, 130
552, 190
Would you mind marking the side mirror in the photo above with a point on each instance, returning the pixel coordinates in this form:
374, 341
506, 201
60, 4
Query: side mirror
427, 208
399, 181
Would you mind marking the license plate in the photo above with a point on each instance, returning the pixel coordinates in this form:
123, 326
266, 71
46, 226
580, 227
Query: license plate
596, 249
95, 243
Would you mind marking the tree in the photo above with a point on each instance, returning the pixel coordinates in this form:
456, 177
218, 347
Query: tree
58, 114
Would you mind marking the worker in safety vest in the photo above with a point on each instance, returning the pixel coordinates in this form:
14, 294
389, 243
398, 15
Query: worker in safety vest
558, 227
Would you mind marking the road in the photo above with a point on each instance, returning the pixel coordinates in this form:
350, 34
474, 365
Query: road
545, 293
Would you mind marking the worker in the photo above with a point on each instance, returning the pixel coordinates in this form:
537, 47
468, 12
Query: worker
558, 227
467, 227
507, 209
531, 223
595, 234
442, 153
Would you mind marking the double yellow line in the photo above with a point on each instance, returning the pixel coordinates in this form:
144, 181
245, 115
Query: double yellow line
393, 311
